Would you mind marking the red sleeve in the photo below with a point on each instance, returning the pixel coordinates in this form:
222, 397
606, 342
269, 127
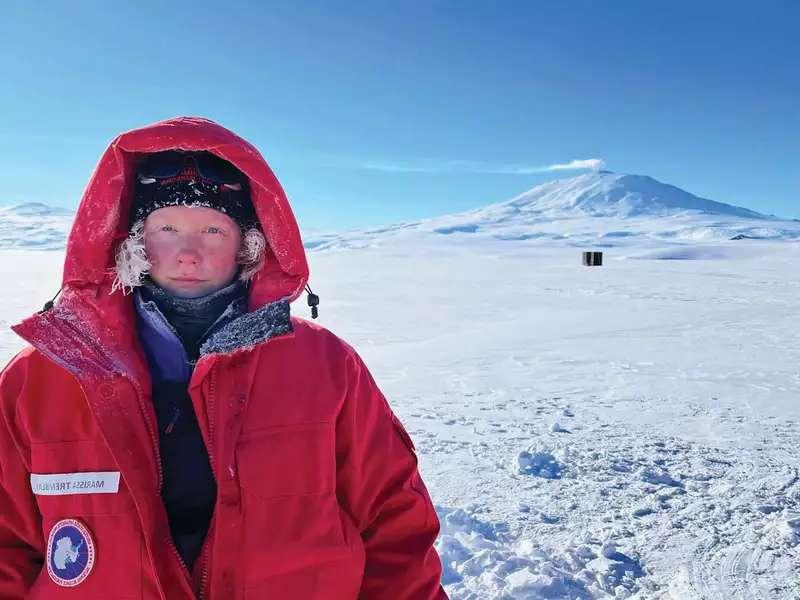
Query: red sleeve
21, 544
379, 485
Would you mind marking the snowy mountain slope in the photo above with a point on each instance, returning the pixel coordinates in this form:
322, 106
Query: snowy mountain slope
596, 210
609, 194
34, 225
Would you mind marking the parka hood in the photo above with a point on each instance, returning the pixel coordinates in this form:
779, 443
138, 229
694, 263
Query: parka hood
92, 331
101, 222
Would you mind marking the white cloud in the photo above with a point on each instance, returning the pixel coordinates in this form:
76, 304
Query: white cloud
593, 164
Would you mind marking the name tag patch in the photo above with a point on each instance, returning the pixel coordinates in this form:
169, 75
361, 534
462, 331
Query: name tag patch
65, 484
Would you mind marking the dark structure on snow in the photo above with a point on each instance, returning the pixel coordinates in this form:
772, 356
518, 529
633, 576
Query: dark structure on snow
592, 259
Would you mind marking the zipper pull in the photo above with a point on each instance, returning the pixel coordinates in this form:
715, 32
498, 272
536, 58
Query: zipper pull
49, 304
313, 302
171, 425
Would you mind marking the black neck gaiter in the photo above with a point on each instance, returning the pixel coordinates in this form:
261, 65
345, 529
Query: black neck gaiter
192, 317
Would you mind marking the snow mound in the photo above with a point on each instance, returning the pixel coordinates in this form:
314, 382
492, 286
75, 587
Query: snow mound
484, 561
657, 476
790, 531
539, 462
784, 531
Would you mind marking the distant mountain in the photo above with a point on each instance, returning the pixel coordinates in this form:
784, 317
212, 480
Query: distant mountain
34, 225
607, 194
35, 209
599, 209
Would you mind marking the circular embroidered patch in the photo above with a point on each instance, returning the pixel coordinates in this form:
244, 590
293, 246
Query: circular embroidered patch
70, 553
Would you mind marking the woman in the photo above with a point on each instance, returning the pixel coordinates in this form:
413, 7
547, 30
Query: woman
172, 432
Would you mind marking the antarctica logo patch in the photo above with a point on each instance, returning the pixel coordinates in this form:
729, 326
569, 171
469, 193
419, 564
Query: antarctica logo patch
70, 553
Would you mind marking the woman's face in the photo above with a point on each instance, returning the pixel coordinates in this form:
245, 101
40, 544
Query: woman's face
192, 249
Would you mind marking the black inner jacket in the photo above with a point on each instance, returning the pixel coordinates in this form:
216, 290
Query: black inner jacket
189, 489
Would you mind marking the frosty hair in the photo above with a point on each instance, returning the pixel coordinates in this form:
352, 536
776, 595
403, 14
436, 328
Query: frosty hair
132, 264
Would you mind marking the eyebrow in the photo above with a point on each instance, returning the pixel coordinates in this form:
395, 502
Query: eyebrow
167, 221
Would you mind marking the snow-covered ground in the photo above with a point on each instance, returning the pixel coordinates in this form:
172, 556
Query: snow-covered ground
624, 431
592, 432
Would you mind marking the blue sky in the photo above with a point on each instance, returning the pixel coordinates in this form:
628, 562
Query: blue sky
394, 111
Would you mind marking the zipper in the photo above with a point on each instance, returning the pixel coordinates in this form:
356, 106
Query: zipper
210, 411
159, 469
95, 346
171, 545
153, 430
204, 560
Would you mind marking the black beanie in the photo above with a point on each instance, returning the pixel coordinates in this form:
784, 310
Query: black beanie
179, 178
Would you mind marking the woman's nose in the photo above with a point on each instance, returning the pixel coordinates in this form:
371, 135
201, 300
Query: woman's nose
188, 256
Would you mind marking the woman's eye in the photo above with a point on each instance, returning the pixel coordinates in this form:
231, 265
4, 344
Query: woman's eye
213, 230
167, 228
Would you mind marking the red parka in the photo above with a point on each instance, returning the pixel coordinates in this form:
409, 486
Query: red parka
319, 496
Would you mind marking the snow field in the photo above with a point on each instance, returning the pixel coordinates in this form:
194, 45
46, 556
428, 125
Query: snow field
627, 431
560, 410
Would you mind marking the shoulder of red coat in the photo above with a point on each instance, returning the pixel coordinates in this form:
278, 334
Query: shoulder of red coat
29, 364
312, 332
27, 358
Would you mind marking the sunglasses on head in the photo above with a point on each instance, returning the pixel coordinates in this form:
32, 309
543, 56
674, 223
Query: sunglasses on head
171, 164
